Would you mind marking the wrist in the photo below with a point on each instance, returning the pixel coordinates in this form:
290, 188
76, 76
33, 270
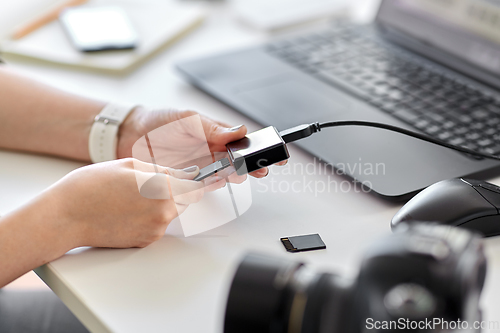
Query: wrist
44, 229
65, 232
103, 138
129, 132
32, 236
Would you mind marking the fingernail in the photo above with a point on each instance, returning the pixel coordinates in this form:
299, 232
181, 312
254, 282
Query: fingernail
235, 128
190, 169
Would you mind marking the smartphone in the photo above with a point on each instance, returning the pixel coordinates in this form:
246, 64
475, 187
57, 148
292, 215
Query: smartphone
93, 29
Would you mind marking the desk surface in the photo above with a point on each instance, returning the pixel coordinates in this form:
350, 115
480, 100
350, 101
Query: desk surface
180, 284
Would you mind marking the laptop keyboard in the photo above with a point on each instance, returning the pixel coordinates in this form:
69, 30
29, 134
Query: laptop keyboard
418, 94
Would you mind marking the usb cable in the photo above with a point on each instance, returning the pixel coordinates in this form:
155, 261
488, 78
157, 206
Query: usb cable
303, 131
299, 132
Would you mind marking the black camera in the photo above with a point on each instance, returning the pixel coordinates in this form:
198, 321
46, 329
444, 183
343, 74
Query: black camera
423, 278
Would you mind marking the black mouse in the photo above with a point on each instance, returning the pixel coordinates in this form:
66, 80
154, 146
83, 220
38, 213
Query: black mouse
471, 204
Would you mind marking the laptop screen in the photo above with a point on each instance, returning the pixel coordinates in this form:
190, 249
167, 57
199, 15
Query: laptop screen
467, 29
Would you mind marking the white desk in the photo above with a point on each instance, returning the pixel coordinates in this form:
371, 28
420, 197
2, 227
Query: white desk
180, 284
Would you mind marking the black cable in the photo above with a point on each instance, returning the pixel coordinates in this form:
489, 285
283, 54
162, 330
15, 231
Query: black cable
303, 131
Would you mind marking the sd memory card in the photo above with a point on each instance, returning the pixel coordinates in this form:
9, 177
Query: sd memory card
303, 243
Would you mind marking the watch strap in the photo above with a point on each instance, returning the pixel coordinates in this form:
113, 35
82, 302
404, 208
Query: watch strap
103, 137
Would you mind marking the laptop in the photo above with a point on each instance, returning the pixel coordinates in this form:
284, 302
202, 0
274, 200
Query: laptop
425, 65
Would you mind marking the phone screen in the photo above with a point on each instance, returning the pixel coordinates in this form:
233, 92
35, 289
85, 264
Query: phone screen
98, 29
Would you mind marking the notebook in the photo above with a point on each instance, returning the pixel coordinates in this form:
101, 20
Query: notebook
278, 14
158, 23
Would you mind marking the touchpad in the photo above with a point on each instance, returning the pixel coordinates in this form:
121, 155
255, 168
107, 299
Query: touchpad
291, 102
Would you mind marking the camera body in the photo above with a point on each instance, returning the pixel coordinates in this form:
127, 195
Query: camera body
423, 278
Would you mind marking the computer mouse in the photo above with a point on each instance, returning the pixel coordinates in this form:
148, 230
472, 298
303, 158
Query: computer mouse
467, 203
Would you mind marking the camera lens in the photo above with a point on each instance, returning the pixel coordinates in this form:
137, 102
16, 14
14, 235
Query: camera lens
279, 296
260, 295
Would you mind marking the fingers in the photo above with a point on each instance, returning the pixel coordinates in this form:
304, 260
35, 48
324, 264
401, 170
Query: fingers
214, 183
163, 187
216, 133
183, 189
157, 182
237, 179
156, 187
186, 192
234, 178
261, 173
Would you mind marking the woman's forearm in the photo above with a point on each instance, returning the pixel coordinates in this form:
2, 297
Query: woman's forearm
32, 236
37, 118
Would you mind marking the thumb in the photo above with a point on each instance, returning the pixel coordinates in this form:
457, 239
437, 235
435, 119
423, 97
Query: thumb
220, 135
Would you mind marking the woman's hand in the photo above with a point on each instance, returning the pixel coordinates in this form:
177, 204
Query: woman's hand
98, 205
174, 147
103, 204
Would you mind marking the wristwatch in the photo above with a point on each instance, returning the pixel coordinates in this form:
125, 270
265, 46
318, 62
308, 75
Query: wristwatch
103, 134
